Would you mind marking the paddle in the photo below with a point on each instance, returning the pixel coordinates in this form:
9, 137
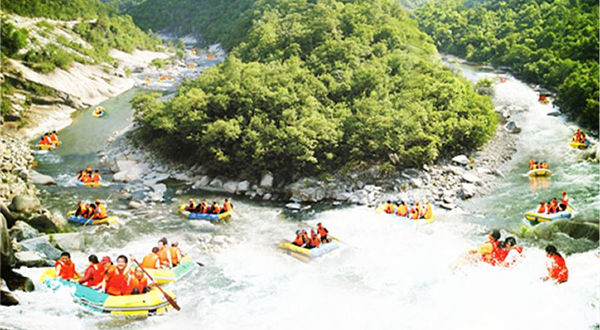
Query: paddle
169, 298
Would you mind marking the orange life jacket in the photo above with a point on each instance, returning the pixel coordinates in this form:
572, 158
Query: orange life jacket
414, 214
86, 178
95, 177
315, 241
227, 206
323, 232
402, 210
531, 161
174, 255
542, 209
164, 256
138, 283
47, 140
299, 240
98, 273
81, 209
150, 261
54, 137
389, 208
216, 209
100, 212
116, 281
557, 270
191, 206
564, 200
66, 270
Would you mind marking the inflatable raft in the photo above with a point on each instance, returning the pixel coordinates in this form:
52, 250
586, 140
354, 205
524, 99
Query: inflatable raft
579, 145
88, 184
307, 255
202, 216
91, 222
98, 112
535, 218
146, 304
163, 276
541, 172
45, 146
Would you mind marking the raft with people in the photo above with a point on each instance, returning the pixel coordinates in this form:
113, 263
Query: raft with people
414, 211
88, 178
204, 211
535, 217
538, 168
81, 220
48, 141
579, 140
304, 254
144, 304
98, 112
164, 275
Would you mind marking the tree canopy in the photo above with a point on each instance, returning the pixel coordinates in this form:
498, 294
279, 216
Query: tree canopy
549, 42
318, 86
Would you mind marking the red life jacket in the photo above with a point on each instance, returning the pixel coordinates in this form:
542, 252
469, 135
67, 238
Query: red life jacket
557, 270
98, 273
488, 258
116, 281
498, 255
389, 208
66, 271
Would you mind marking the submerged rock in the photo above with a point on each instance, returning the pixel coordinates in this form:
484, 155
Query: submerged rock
512, 127
41, 245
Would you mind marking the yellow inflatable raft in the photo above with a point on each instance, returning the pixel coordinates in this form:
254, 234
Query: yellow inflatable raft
45, 146
164, 276
579, 145
540, 172
91, 222
307, 255
146, 304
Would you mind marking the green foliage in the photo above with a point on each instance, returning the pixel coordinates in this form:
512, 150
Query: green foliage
213, 19
157, 63
548, 42
12, 39
484, 86
58, 9
315, 86
48, 58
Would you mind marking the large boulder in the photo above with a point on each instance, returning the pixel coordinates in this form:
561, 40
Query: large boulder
231, 186
42, 245
461, 159
7, 299
21, 231
267, 180
125, 165
16, 281
32, 259
48, 222
10, 218
217, 183
23, 203
69, 241
243, 186
131, 174
470, 178
157, 193
39, 178
7, 256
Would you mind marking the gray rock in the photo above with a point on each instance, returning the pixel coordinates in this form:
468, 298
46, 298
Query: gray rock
69, 241
497, 173
260, 191
47, 221
131, 174
157, 193
217, 183
231, 186
512, 127
22, 203
461, 159
7, 298
293, 206
410, 173
243, 186
41, 245
38, 178
360, 184
155, 177
341, 196
135, 205
447, 206
204, 181
267, 180
470, 178
554, 114
31, 259
125, 165
21, 231
416, 182
7, 256
467, 191
267, 196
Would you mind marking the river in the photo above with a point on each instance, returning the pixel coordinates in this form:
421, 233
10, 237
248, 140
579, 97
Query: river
388, 274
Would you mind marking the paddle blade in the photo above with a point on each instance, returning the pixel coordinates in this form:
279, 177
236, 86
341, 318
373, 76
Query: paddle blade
200, 264
172, 301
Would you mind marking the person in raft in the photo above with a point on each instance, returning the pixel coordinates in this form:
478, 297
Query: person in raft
389, 208
137, 282
169, 256
214, 208
45, 140
515, 253
489, 248
116, 278
94, 274
323, 233
579, 137
65, 268
556, 266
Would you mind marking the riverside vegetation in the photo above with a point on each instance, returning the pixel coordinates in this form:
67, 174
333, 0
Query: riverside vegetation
549, 42
315, 87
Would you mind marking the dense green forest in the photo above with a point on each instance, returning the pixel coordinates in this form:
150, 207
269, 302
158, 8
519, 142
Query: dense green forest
549, 42
316, 87
213, 20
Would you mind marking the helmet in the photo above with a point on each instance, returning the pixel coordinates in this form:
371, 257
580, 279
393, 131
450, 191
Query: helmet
105, 259
304, 231
97, 201
542, 202
564, 192
416, 203
191, 200
297, 231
